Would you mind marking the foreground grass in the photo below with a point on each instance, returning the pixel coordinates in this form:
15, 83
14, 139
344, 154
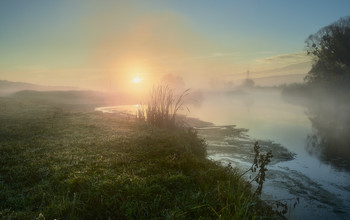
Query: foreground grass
89, 165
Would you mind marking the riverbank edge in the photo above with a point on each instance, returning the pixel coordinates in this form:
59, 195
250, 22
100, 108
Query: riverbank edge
85, 165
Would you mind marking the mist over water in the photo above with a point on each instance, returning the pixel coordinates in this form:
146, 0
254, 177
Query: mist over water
329, 117
263, 112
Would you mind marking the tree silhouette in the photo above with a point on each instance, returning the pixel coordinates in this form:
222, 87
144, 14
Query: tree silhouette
330, 47
248, 83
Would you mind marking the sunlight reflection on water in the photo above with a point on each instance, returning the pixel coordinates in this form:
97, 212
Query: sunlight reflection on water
129, 109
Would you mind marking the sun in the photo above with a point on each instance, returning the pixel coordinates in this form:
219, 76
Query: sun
137, 80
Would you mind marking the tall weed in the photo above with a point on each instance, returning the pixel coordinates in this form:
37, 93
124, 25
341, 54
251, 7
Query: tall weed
162, 107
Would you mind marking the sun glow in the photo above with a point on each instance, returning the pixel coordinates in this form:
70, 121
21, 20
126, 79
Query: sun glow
137, 80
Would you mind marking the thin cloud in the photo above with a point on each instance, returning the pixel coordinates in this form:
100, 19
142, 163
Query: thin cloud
288, 59
296, 68
209, 56
213, 55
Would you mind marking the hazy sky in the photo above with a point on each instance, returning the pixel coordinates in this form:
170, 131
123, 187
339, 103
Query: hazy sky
105, 44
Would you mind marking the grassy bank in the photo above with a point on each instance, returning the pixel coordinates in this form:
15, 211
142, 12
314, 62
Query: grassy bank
89, 165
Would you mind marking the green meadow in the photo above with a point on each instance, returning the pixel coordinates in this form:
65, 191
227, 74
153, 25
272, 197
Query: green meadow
58, 162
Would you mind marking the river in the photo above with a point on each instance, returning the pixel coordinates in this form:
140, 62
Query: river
296, 173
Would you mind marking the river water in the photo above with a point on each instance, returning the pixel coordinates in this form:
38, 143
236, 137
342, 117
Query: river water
295, 173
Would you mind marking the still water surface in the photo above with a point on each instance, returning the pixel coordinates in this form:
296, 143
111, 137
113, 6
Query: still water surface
323, 189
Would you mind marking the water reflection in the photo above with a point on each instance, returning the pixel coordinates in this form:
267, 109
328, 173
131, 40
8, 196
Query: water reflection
330, 139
